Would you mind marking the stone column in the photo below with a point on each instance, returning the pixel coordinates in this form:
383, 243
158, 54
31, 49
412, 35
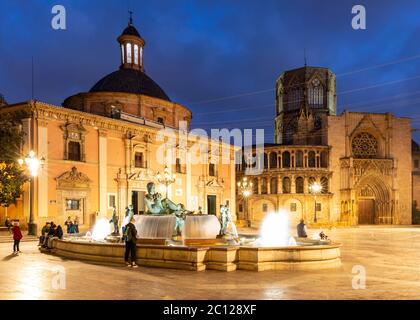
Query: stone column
102, 173
42, 178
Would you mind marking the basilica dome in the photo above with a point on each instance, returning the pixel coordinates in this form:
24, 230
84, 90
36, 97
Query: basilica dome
130, 81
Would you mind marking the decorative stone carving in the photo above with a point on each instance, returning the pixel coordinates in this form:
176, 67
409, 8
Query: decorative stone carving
73, 179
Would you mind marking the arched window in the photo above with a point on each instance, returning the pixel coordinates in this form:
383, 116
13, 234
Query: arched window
299, 159
364, 145
311, 159
129, 60
122, 54
255, 186
311, 181
265, 161
136, 54
324, 184
299, 185
273, 160
273, 186
286, 159
286, 185
316, 95
324, 159
263, 186
139, 160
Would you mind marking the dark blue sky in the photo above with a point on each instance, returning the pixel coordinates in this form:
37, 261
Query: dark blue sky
220, 58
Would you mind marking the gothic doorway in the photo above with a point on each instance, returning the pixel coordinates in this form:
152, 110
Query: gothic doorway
373, 201
366, 211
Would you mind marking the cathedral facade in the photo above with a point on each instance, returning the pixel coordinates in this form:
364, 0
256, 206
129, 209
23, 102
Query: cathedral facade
102, 147
362, 161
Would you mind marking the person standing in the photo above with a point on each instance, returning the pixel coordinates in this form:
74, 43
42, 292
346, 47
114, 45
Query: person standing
17, 236
68, 224
76, 224
8, 224
301, 229
130, 237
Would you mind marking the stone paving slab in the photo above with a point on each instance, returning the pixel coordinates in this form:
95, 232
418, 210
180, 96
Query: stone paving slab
390, 256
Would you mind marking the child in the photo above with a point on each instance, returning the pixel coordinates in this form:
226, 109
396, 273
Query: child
17, 236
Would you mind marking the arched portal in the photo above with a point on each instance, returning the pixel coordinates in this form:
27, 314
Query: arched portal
374, 205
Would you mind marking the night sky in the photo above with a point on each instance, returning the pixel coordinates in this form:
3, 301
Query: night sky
219, 58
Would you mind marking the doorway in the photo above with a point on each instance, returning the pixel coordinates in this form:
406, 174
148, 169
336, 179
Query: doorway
366, 208
137, 200
211, 204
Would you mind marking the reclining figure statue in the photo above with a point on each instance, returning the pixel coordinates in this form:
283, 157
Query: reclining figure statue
158, 206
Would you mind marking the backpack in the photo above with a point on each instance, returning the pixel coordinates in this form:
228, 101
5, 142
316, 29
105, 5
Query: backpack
126, 233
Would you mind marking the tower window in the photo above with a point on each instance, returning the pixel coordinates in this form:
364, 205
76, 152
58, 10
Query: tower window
364, 145
74, 151
129, 60
122, 54
136, 54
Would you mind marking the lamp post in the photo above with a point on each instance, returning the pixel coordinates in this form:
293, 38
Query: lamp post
166, 179
245, 188
315, 188
32, 164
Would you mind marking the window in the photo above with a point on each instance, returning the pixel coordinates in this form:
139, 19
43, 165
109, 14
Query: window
273, 186
316, 95
311, 159
139, 160
263, 186
111, 201
264, 207
136, 54
416, 163
364, 145
299, 185
286, 185
122, 54
299, 159
324, 159
74, 151
293, 207
273, 160
241, 208
324, 184
72, 204
212, 170
255, 186
178, 166
286, 159
129, 60
160, 120
318, 206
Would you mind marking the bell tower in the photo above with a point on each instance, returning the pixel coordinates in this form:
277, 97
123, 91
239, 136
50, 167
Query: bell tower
132, 45
304, 99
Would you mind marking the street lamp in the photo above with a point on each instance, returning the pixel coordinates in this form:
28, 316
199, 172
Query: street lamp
315, 188
166, 179
32, 164
245, 188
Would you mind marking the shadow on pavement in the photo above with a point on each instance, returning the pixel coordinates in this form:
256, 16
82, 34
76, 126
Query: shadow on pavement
9, 257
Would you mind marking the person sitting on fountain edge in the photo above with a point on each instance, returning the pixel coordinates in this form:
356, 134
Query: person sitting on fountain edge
301, 229
130, 237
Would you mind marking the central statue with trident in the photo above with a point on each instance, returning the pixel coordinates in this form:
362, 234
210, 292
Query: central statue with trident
156, 205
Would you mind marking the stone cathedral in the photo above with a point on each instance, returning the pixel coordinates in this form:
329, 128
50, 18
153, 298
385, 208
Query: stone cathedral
362, 160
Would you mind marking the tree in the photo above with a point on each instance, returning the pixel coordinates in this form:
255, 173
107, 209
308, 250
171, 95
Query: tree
12, 176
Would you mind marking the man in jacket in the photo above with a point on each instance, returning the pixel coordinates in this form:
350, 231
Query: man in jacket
130, 235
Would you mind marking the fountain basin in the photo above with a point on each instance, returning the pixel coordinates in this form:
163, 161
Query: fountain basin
222, 258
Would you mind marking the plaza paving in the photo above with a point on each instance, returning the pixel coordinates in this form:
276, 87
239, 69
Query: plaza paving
390, 256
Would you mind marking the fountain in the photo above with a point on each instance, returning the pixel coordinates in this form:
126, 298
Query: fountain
171, 237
